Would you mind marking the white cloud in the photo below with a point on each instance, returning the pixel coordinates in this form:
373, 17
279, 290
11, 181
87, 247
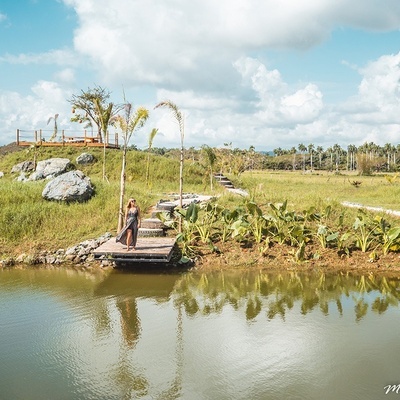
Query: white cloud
176, 42
67, 75
202, 55
33, 111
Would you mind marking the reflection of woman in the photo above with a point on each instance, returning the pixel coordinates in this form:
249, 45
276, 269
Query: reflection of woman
129, 233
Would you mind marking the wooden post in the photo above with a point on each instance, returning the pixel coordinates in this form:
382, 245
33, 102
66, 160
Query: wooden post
63, 137
40, 135
116, 139
17, 138
36, 137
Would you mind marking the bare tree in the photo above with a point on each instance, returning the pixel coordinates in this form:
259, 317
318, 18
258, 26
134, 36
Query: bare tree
85, 108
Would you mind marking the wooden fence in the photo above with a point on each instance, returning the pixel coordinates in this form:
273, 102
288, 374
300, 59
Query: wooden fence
64, 138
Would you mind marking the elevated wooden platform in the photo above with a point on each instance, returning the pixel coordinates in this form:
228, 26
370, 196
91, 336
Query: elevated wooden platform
148, 250
82, 143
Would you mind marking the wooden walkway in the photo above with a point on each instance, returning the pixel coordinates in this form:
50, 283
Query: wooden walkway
148, 249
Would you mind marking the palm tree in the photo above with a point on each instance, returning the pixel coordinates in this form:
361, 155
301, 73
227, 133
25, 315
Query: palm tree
310, 150
320, 151
210, 158
180, 120
128, 124
338, 151
54, 135
152, 135
303, 150
293, 151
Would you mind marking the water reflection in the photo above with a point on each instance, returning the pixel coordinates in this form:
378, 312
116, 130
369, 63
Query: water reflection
225, 335
276, 293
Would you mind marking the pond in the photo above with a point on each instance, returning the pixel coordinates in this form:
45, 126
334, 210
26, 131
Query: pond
68, 334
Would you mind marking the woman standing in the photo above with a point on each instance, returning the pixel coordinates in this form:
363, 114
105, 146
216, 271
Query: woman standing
129, 233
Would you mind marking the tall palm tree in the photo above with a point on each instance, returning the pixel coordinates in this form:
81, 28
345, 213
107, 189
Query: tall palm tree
180, 120
338, 151
128, 124
320, 151
303, 150
310, 150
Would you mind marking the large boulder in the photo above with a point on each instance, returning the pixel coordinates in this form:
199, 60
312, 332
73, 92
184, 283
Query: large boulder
24, 166
85, 158
71, 186
51, 168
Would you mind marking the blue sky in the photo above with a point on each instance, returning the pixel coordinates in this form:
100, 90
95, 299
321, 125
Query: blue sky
266, 73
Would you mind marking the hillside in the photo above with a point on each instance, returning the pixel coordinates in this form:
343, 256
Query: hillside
9, 148
28, 223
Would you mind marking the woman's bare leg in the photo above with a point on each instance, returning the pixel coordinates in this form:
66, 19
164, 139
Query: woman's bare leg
128, 238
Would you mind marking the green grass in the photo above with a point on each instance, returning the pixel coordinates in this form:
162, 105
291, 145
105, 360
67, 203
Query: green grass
28, 223
305, 190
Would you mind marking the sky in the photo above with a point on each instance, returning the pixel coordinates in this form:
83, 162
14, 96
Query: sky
262, 73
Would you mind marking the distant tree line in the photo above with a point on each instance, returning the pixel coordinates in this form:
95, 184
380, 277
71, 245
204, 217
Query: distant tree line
365, 160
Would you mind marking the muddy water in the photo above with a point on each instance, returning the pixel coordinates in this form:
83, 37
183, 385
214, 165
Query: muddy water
66, 334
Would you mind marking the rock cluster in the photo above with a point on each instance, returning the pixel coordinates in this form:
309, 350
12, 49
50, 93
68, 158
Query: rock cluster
66, 183
69, 187
50, 168
80, 254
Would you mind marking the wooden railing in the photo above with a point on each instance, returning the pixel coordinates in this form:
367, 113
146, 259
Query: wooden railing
63, 138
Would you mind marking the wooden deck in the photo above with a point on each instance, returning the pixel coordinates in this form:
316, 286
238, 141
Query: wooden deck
87, 143
148, 250
64, 138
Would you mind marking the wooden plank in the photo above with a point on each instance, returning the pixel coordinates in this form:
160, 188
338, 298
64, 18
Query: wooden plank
148, 249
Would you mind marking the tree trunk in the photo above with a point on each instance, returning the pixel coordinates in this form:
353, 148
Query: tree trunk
122, 192
181, 187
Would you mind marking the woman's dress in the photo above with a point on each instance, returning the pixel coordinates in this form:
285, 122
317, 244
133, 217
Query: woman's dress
131, 223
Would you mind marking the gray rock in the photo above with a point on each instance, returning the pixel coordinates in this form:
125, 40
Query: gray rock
71, 186
51, 167
85, 158
21, 178
25, 166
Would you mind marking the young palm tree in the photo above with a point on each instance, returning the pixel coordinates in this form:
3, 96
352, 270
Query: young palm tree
180, 120
128, 124
104, 116
152, 135
210, 158
54, 135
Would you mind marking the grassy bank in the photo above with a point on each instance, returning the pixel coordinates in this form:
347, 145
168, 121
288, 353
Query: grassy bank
28, 223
